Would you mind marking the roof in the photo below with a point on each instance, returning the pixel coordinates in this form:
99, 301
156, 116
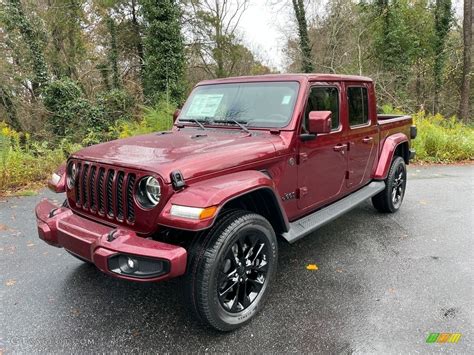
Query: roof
289, 77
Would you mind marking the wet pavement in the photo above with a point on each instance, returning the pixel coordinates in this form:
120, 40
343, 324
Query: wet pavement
383, 283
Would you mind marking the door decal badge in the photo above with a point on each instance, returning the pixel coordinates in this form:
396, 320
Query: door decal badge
289, 196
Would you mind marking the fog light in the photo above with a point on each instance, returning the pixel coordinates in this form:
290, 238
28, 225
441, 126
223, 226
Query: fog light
138, 266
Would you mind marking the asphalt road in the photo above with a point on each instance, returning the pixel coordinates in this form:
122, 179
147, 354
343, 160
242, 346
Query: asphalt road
384, 283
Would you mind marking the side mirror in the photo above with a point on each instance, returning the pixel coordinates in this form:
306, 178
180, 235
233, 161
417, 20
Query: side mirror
176, 114
320, 122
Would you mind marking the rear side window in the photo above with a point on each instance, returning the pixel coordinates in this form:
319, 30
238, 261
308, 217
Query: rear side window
358, 103
324, 99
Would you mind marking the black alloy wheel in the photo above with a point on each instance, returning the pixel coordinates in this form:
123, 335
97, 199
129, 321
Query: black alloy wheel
398, 186
243, 272
390, 199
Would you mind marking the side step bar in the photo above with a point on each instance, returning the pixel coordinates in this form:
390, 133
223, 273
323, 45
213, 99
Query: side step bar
308, 224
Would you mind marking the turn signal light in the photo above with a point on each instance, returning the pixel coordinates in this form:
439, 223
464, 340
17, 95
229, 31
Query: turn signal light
193, 212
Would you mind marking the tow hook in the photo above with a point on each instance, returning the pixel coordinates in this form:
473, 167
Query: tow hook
52, 213
111, 236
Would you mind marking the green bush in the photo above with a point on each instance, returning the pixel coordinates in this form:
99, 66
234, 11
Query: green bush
59, 93
79, 119
70, 114
116, 104
28, 162
156, 118
442, 140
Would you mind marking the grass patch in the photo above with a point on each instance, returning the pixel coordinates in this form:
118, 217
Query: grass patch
23, 193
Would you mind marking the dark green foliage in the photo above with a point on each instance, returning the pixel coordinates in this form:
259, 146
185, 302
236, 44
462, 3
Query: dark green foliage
67, 50
163, 51
6, 100
104, 73
394, 43
59, 93
305, 46
68, 110
74, 116
16, 19
113, 53
116, 104
443, 21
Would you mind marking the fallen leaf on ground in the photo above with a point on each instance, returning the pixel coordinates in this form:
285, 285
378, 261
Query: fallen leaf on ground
10, 282
75, 311
312, 267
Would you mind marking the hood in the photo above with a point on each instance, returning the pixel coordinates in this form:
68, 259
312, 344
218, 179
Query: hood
192, 151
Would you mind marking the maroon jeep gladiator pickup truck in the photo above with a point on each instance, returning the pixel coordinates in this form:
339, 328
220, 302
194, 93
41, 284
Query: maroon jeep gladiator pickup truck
249, 160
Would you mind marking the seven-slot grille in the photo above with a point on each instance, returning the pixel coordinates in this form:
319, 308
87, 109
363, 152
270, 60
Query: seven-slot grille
105, 191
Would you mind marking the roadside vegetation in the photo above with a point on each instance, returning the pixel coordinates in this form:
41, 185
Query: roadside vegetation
76, 73
24, 162
442, 140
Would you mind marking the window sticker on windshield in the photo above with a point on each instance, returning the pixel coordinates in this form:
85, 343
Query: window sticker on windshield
286, 100
204, 105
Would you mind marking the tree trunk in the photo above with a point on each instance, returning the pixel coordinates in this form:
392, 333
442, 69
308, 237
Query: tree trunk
113, 53
305, 47
466, 74
138, 37
219, 51
34, 44
443, 21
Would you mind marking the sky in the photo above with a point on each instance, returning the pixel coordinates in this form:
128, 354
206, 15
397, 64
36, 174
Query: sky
265, 28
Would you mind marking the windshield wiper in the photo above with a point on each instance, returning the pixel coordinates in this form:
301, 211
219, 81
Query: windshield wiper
238, 123
195, 120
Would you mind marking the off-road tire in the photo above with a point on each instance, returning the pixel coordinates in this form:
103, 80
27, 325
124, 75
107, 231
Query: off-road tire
385, 201
206, 256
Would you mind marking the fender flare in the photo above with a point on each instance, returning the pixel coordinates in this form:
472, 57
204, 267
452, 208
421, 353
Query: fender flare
217, 192
386, 154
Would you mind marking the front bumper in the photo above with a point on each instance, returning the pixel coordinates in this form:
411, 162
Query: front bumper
103, 245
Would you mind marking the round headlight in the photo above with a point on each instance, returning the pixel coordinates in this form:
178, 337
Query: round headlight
149, 192
71, 174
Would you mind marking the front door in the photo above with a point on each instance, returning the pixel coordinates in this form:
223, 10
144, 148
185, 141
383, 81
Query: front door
363, 136
323, 160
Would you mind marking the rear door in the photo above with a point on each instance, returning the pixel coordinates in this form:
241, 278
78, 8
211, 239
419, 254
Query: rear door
323, 160
363, 134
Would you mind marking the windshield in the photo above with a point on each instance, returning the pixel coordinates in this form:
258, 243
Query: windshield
265, 104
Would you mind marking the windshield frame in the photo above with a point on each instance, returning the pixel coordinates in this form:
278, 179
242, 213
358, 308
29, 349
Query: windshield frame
216, 124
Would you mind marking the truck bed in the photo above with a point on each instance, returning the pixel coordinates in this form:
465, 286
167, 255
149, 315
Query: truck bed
382, 118
394, 124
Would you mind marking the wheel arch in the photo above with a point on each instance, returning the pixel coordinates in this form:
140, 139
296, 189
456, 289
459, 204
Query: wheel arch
263, 201
394, 145
250, 190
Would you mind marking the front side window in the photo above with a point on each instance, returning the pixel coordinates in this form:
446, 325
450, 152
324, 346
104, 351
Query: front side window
358, 103
323, 99
264, 104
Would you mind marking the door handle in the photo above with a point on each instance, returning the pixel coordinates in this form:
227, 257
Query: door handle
339, 148
367, 140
